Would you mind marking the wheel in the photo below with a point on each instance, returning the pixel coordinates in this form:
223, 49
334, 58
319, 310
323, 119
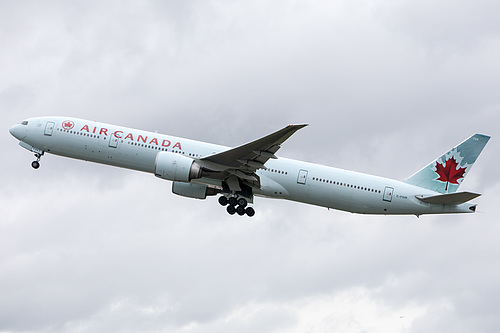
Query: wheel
233, 201
242, 202
240, 210
223, 200
35, 164
231, 210
250, 211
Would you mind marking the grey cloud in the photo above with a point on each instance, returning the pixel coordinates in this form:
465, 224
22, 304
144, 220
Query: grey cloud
93, 248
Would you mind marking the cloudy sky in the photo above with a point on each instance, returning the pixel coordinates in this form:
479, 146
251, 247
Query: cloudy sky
386, 87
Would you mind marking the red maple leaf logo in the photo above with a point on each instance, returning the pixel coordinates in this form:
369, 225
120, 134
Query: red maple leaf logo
449, 172
68, 125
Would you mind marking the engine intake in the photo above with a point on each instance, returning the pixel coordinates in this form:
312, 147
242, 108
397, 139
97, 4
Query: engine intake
176, 167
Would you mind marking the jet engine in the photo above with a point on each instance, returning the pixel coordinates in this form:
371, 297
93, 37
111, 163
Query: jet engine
191, 190
176, 167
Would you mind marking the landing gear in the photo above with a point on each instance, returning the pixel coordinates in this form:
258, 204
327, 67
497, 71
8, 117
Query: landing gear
36, 164
236, 205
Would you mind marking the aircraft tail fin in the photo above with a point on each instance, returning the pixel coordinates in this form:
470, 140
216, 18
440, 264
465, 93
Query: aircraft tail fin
446, 173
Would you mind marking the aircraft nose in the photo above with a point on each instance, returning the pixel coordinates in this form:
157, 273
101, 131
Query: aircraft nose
12, 130
17, 132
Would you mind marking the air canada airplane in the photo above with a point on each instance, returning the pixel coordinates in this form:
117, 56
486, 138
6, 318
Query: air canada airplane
200, 169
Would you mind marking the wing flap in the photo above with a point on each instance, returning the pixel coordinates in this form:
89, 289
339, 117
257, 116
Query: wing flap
449, 198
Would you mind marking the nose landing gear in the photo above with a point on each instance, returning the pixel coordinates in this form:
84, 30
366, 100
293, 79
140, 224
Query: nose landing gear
236, 205
36, 164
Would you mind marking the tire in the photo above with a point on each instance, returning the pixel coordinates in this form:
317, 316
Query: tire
231, 210
250, 211
223, 200
35, 164
242, 202
240, 210
233, 201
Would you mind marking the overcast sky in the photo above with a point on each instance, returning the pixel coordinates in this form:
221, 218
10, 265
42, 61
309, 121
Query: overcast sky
386, 87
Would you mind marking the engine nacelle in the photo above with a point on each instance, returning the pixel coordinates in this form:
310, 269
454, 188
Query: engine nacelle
176, 167
191, 190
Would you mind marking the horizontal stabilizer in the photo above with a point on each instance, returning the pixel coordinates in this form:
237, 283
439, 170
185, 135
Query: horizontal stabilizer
448, 199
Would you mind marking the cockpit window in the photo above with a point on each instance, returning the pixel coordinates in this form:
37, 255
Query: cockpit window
24, 122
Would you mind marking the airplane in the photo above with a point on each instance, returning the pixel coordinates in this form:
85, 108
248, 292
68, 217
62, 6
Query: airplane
199, 169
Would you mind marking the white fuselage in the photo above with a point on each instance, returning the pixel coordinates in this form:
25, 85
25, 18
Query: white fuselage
284, 178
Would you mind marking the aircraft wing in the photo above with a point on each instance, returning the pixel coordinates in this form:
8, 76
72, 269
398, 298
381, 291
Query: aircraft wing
244, 160
449, 198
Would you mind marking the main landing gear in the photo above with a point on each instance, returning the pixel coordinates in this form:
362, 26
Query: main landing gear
36, 164
236, 205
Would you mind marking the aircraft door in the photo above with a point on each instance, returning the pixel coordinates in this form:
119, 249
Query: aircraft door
302, 177
49, 128
388, 193
113, 141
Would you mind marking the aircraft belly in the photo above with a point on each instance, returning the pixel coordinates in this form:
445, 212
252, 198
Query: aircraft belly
321, 196
271, 188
